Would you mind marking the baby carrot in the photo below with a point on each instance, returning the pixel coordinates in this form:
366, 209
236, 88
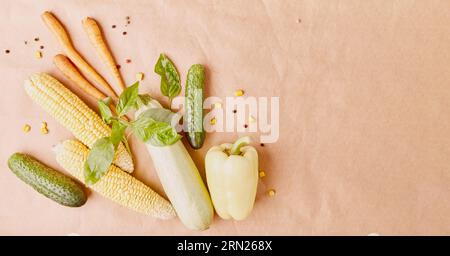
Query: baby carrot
95, 35
63, 38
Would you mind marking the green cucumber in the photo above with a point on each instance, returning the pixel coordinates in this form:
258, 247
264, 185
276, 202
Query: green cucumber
194, 106
50, 183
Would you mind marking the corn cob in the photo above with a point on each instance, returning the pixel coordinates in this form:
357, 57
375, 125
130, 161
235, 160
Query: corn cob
73, 113
116, 184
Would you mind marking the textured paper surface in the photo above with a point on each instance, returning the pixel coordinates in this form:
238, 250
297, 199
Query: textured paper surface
364, 99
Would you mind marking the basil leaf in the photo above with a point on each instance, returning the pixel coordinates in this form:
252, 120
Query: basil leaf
142, 100
164, 135
158, 133
127, 146
98, 161
170, 79
117, 133
142, 128
127, 99
161, 115
105, 111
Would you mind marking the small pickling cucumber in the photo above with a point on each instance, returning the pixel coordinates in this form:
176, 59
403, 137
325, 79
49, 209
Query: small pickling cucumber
194, 106
50, 183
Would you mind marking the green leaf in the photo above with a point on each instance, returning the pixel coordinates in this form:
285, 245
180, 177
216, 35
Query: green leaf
98, 161
105, 111
164, 135
127, 145
160, 115
127, 99
142, 100
118, 131
170, 79
157, 132
143, 128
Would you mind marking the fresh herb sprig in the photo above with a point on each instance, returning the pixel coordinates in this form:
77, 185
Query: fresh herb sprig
170, 79
155, 125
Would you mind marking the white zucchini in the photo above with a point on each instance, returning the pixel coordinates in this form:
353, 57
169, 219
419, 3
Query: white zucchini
181, 181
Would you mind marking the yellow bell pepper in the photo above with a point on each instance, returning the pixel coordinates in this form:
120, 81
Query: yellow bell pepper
232, 177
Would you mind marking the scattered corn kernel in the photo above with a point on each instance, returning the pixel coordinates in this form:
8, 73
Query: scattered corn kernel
238, 93
271, 192
38, 54
217, 105
43, 125
213, 121
26, 128
140, 76
44, 130
262, 174
251, 119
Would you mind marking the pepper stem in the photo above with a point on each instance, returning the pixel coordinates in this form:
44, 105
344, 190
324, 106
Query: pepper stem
241, 142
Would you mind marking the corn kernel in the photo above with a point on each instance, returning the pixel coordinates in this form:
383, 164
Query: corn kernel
26, 128
38, 54
116, 184
251, 119
44, 130
271, 192
140, 76
262, 174
239, 93
217, 105
43, 125
213, 121
88, 127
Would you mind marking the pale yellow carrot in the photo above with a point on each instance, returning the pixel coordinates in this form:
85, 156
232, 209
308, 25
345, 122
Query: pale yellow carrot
63, 38
71, 72
95, 35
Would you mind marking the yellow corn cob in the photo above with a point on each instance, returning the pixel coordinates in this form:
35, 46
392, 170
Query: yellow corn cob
73, 113
116, 184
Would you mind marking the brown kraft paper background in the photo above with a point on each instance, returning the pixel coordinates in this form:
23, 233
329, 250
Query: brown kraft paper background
364, 93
